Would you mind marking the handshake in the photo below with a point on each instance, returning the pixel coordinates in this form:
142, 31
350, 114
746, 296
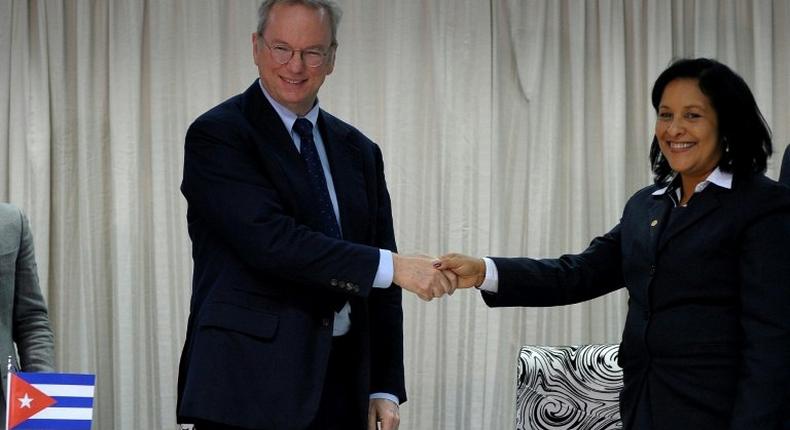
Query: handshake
431, 278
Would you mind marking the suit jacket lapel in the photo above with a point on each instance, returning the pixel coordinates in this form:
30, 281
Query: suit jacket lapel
275, 146
701, 204
658, 215
267, 123
345, 162
347, 170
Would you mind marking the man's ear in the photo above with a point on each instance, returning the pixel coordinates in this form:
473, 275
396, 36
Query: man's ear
255, 47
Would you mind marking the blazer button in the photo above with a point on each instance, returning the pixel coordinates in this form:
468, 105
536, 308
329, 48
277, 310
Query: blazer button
325, 322
652, 269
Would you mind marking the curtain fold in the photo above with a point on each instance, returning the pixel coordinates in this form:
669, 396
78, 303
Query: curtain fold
508, 127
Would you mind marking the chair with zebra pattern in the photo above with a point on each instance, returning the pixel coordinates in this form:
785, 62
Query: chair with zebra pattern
568, 387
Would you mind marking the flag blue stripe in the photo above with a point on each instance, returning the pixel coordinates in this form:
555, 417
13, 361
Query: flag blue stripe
54, 425
73, 402
58, 378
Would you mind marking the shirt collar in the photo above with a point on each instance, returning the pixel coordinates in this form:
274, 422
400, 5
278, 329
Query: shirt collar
288, 117
717, 177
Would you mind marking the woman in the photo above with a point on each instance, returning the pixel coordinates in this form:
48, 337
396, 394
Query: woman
703, 254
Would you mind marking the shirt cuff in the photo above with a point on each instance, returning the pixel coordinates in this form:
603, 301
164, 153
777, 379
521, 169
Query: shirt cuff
491, 282
387, 396
385, 272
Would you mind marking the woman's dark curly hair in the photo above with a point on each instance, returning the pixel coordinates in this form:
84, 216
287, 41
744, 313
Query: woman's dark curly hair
743, 131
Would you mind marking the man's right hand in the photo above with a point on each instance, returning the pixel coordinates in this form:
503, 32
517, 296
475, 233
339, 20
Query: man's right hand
416, 273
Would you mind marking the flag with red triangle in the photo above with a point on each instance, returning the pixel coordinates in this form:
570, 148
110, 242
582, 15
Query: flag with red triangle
31, 401
51, 401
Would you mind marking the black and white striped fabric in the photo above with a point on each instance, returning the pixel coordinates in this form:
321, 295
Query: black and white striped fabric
568, 387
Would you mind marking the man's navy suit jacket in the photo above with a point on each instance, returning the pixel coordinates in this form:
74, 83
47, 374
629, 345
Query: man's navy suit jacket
708, 325
266, 283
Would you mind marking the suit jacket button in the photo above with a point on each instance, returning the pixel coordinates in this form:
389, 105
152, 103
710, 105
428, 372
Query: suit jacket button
325, 322
652, 269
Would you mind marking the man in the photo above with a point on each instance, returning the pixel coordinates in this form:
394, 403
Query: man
23, 312
294, 321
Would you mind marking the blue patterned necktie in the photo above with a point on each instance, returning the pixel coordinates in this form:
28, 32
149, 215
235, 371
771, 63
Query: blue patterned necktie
304, 128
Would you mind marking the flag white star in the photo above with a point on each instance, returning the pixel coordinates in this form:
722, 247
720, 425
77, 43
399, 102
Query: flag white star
25, 401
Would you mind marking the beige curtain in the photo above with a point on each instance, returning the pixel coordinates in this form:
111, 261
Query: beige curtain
509, 127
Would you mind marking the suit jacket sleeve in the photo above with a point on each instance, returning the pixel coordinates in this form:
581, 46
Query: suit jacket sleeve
763, 397
230, 184
562, 281
31, 331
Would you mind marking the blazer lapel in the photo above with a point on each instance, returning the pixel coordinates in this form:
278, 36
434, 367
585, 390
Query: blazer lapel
658, 215
700, 205
275, 146
345, 162
270, 128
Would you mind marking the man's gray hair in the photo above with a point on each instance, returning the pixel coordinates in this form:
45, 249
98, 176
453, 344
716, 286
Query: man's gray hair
332, 9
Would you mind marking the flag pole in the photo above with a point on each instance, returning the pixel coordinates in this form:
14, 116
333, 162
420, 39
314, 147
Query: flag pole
9, 370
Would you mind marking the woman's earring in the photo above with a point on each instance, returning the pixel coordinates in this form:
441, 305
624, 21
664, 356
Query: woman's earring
729, 161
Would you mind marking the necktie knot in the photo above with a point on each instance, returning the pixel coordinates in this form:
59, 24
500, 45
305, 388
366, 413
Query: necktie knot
304, 128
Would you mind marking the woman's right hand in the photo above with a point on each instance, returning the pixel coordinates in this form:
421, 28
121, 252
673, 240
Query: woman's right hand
471, 271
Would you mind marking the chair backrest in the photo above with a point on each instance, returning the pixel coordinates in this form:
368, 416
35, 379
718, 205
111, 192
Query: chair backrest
568, 387
784, 173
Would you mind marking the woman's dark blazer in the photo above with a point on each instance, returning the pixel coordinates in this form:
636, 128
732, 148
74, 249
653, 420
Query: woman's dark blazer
708, 325
784, 175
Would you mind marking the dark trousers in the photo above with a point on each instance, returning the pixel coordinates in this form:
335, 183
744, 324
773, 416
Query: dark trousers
338, 409
642, 418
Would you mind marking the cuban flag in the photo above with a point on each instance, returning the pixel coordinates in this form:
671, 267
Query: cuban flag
49, 401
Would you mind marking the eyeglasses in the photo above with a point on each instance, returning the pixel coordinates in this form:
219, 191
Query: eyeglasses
282, 54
